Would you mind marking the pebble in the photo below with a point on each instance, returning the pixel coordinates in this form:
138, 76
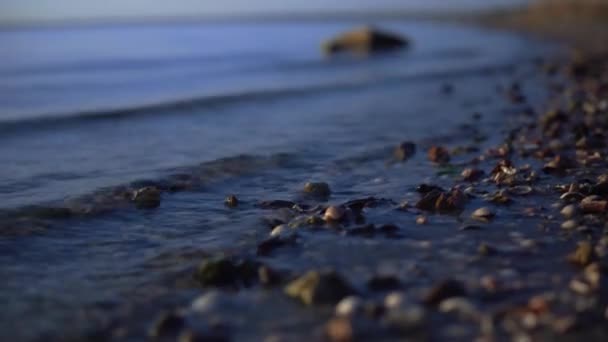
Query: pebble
405, 320
347, 329
147, 198
384, 283
349, 306
569, 211
334, 214
483, 214
224, 271
569, 225
340, 329
279, 230
421, 220
460, 306
394, 300
472, 175
167, 324
444, 290
211, 302
317, 287
320, 189
583, 255
216, 335
404, 151
438, 154
231, 201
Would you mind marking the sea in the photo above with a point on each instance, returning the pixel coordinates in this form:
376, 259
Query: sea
203, 110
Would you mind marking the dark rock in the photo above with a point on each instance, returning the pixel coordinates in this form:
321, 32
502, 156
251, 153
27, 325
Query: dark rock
389, 229
214, 335
320, 190
559, 165
364, 40
168, 324
444, 290
49, 212
453, 201
276, 204
231, 201
439, 155
427, 202
384, 283
426, 188
147, 198
404, 151
269, 245
472, 175
316, 287
223, 271
269, 276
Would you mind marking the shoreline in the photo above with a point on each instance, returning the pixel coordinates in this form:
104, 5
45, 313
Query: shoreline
580, 27
506, 240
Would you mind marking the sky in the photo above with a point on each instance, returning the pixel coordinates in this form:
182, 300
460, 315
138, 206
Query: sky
58, 10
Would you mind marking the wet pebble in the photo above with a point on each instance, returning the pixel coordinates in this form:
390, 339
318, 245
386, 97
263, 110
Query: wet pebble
349, 306
569, 225
319, 287
483, 214
231, 201
266, 247
583, 255
347, 329
223, 271
444, 290
422, 220
404, 151
168, 324
384, 283
394, 300
405, 320
569, 211
320, 189
280, 230
439, 155
147, 198
462, 307
334, 214
212, 302
210, 335
472, 175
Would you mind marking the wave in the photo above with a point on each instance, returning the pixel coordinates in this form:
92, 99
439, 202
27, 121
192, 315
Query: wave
33, 219
186, 105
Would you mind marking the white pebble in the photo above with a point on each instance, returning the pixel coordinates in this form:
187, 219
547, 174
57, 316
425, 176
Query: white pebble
349, 306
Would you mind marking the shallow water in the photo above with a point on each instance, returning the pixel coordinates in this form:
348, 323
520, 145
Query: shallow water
253, 110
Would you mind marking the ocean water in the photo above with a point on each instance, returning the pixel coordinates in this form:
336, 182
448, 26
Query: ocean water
203, 111
83, 108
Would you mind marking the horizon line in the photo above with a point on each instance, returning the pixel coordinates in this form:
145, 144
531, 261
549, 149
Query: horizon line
255, 17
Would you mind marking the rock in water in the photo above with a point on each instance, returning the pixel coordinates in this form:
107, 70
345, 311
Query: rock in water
364, 40
404, 151
320, 190
147, 198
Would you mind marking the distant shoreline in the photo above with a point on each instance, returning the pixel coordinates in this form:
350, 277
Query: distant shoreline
367, 17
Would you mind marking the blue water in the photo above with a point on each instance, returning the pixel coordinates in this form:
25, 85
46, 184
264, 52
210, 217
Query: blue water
206, 90
252, 109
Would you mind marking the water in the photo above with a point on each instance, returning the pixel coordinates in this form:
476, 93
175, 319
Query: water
213, 109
